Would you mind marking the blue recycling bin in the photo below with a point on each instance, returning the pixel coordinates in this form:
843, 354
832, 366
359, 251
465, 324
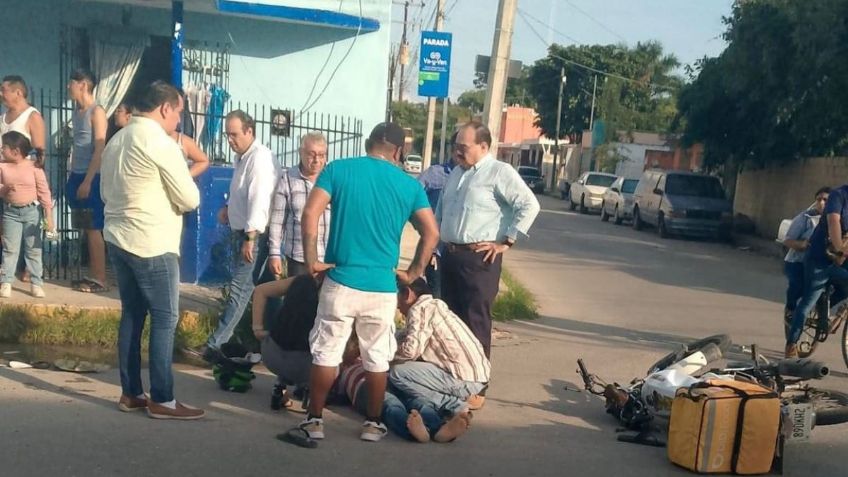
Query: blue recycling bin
205, 249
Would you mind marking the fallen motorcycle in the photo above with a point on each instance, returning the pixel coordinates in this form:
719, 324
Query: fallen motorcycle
645, 404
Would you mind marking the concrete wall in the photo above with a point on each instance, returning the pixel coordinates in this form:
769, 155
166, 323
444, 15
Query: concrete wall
767, 196
272, 62
518, 124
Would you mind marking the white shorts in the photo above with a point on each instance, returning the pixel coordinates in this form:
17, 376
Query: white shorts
339, 309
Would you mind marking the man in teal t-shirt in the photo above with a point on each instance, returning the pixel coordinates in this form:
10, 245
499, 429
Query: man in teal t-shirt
372, 199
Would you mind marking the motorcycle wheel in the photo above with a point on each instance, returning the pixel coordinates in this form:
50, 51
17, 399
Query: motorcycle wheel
831, 407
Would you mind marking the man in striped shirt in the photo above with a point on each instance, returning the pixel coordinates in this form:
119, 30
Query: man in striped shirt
284, 233
438, 357
411, 419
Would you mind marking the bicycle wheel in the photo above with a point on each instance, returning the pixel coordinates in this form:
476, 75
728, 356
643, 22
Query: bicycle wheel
845, 342
722, 341
831, 407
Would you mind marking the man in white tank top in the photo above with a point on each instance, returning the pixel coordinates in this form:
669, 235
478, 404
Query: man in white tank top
19, 115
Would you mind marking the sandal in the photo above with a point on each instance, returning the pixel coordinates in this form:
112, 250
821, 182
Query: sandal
89, 285
299, 437
76, 284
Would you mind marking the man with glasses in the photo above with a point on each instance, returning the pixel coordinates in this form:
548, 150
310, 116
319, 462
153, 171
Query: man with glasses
284, 232
484, 206
823, 264
372, 200
246, 212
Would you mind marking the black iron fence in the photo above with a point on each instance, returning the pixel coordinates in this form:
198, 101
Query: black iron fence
278, 128
281, 129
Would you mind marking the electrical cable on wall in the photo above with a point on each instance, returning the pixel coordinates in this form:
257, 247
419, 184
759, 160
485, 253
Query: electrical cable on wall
341, 62
323, 67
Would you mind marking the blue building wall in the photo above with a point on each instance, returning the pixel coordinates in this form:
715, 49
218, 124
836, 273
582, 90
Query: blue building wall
273, 62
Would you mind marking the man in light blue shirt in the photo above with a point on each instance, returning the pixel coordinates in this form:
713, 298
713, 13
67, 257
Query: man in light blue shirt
484, 206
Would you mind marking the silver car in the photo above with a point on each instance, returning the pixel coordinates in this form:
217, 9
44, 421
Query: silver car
618, 200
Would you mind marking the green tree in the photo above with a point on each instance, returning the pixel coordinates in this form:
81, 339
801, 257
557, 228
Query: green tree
517, 92
473, 99
779, 91
639, 90
414, 116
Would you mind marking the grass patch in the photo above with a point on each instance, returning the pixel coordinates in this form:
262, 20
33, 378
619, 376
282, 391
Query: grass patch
86, 327
517, 303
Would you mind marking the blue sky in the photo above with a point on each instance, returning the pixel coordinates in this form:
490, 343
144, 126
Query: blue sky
690, 29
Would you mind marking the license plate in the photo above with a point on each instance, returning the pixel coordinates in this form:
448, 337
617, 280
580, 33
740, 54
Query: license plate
798, 422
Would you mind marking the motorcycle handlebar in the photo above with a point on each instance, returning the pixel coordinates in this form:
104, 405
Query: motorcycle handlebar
802, 368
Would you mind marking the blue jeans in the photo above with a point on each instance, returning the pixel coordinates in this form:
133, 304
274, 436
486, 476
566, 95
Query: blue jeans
22, 223
244, 279
794, 272
147, 285
426, 381
396, 411
816, 278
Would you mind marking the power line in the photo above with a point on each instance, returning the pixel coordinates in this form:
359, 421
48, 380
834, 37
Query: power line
595, 70
450, 8
546, 25
598, 22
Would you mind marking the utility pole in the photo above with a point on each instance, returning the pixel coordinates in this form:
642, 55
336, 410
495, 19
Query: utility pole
390, 92
445, 107
562, 80
403, 47
431, 102
592, 114
498, 66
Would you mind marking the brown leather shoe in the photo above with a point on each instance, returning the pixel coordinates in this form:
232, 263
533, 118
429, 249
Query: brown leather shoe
182, 412
130, 404
475, 402
791, 351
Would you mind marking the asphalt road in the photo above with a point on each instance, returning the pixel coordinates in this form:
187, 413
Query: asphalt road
618, 298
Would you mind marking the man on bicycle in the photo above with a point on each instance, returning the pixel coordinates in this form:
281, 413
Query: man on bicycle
824, 263
797, 241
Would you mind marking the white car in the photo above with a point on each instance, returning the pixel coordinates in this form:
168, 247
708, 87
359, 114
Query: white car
588, 192
412, 164
618, 200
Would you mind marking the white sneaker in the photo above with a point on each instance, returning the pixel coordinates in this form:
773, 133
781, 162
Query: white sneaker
5, 290
37, 291
314, 427
373, 432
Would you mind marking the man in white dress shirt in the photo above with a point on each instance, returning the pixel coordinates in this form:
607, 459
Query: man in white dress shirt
247, 213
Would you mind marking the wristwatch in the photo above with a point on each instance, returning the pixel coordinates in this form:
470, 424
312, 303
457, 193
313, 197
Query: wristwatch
509, 242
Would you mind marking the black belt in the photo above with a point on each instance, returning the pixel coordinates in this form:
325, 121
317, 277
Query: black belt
454, 247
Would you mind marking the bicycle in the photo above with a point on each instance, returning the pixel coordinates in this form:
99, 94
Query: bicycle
816, 331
